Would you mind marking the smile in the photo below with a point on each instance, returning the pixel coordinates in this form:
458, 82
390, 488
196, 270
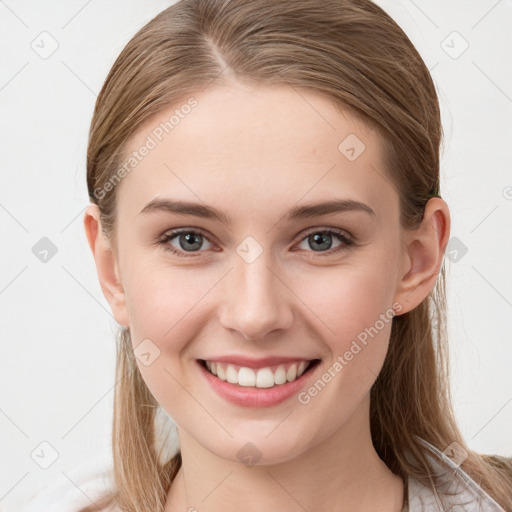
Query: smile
249, 382
266, 377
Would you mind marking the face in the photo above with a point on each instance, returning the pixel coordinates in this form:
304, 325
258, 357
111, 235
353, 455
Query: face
271, 281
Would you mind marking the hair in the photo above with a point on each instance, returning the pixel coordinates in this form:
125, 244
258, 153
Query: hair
355, 54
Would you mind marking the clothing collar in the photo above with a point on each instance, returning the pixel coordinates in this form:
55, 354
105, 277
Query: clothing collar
456, 492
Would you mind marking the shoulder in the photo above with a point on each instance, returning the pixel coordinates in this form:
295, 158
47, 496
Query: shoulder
456, 488
74, 490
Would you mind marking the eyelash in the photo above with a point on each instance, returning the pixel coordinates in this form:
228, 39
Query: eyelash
347, 242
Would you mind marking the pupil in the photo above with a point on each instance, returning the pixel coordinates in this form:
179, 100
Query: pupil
189, 238
318, 239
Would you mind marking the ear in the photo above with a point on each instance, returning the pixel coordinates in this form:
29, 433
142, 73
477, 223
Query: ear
106, 265
424, 249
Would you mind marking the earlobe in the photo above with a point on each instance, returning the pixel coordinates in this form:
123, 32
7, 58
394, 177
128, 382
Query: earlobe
106, 265
425, 247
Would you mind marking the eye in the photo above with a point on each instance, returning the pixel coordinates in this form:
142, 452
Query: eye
182, 241
187, 240
322, 240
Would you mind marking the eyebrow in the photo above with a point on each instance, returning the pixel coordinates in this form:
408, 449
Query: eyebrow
299, 212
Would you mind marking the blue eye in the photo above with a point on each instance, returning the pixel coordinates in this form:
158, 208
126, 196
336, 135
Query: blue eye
190, 241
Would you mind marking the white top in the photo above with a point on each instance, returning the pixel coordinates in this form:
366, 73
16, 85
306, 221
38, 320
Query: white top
457, 492
460, 494
86, 485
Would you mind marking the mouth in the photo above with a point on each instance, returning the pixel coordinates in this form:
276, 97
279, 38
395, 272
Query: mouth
259, 378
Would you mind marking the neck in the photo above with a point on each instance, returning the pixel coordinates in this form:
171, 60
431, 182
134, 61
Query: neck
341, 473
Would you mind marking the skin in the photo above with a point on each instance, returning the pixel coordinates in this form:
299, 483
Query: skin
256, 152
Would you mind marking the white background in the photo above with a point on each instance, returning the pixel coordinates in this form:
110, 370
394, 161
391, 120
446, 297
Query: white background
57, 333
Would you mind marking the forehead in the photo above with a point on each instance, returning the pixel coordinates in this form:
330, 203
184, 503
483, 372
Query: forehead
245, 145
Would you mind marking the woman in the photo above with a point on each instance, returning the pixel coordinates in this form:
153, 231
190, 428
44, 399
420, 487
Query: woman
268, 229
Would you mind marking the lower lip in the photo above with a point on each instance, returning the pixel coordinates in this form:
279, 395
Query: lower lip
252, 396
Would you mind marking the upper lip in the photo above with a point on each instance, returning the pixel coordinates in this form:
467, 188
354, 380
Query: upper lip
251, 362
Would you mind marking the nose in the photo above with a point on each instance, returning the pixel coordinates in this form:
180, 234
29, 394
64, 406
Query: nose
256, 300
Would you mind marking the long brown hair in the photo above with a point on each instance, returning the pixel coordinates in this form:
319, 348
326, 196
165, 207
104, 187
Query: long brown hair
357, 55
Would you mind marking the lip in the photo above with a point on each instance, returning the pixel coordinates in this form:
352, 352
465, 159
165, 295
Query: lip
251, 396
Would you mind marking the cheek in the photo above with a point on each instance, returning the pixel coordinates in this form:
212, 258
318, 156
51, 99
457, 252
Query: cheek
346, 300
161, 300
162, 305
166, 305
355, 316
353, 311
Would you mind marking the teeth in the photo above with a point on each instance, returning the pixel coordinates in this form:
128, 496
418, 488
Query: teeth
246, 377
291, 374
265, 378
231, 374
261, 378
221, 373
280, 375
301, 368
